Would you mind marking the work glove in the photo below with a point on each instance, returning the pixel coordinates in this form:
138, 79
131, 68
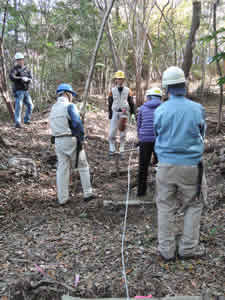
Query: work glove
25, 79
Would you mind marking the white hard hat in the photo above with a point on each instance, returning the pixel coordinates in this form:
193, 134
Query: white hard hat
19, 55
172, 75
154, 92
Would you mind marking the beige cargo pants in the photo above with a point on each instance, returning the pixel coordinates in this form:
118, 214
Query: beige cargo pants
65, 148
114, 123
169, 179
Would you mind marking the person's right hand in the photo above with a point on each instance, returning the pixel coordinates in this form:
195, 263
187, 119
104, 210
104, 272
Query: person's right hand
25, 79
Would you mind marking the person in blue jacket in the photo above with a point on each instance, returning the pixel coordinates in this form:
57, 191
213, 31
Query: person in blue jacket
68, 131
146, 136
179, 125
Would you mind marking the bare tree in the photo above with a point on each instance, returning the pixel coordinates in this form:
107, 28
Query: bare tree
3, 82
138, 19
190, 45
93, 60
218, 68
170, 26
117, 64
203, 69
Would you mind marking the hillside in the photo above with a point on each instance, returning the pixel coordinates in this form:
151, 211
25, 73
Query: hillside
47, 250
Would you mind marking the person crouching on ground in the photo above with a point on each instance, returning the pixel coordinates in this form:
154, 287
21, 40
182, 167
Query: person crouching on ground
67, 128
179, 125
146, 136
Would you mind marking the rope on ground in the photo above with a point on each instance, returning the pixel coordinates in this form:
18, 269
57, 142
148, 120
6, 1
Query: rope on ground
125, 218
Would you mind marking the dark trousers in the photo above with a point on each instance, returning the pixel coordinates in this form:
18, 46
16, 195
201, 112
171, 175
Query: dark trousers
145, 154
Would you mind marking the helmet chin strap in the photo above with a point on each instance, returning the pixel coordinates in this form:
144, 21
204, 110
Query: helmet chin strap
69, 96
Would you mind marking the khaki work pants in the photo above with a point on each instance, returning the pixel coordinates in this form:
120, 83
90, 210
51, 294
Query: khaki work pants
65, 148
114, 123
169, 179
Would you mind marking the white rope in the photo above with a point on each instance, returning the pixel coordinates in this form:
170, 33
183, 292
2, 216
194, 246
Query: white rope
125, 223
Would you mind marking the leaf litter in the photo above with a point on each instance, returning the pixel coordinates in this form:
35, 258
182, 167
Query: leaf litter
47, 250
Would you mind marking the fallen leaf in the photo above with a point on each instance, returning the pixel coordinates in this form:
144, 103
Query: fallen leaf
193, 283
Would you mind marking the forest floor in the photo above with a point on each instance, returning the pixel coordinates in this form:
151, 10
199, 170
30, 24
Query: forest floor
47, 250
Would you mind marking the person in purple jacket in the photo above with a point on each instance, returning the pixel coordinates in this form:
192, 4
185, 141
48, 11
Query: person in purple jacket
146, 136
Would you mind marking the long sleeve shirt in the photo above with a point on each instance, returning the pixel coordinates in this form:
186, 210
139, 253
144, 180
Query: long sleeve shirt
179, 125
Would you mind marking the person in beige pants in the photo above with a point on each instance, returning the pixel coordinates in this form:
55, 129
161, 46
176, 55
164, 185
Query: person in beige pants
68, 132
180, 128
120, 99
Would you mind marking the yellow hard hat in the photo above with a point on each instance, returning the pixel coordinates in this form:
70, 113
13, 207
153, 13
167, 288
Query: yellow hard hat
114, 75
119, 75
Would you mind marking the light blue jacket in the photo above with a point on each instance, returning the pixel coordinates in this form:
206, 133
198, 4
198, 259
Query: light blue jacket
179, 125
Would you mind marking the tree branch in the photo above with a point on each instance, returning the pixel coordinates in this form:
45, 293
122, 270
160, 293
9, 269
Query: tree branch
93, 60
164, 7
173, 32
4, 20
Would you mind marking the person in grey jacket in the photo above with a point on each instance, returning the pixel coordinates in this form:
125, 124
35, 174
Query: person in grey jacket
146, 136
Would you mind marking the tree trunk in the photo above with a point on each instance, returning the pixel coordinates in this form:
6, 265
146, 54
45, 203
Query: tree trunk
219, 120
16, 25
112, 48
93, 60
203, 58
3, 82
139, 54
118, 63
139, 96
188, 54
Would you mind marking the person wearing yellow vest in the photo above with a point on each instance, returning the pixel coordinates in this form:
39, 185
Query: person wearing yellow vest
120, 102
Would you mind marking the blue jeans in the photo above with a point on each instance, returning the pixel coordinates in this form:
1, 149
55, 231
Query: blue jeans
23, 97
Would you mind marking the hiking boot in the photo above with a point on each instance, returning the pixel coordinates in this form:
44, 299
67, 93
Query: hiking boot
167, 259
18, 125
198, 252
89, 198
27, 122
62, 203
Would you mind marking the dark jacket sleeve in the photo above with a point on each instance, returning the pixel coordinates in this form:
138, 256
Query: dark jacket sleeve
76, 125
139, 122
110, 103
130, 101
14, 76
29, 74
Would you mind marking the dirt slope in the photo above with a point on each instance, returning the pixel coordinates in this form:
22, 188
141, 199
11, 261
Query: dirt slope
47, 250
